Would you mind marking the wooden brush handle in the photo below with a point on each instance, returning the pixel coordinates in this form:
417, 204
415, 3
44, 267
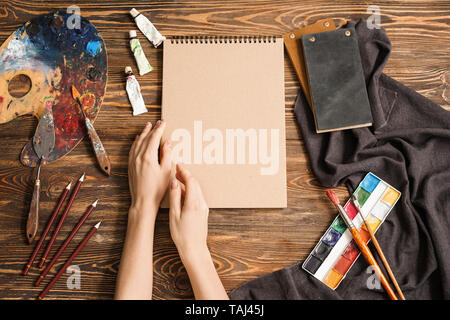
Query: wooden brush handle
33, 215
385, 262
99, 150
371, 260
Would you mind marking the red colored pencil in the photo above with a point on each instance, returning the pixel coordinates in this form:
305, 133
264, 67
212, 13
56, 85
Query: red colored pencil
61, 220
69, 261
47, 228
66, 243
362, 245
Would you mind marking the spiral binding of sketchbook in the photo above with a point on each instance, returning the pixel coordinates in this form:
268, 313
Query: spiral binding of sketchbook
216, 86
222, 39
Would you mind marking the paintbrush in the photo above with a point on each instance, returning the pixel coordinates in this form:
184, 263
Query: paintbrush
99, 150
378, 247
362, 245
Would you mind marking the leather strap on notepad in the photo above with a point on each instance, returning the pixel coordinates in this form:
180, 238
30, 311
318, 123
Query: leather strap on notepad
292, 41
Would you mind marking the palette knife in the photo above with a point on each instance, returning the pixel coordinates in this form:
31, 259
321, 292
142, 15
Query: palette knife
99, 150
43, 143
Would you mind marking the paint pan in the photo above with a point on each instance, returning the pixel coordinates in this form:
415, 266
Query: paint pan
335, 253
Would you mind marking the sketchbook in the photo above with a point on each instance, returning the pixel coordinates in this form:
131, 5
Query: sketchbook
223, 102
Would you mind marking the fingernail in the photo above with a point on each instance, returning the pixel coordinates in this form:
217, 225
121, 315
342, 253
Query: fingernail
148, 124
174, 184
158, 122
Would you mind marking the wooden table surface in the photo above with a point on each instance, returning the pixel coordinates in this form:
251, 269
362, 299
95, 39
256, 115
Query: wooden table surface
245, 244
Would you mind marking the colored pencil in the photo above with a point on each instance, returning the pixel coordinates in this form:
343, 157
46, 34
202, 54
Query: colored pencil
362, 245
66, 243
61, 220
47, 228
69, 261
379, 250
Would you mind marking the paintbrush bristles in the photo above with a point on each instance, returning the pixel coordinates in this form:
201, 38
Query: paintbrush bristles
333, 197
75, 93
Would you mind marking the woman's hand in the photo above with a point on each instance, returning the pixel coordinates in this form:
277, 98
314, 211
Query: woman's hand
188, 215
189, 230
148, 178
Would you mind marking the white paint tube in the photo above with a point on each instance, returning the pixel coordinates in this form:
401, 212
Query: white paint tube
147, 28
134, 93
141, 60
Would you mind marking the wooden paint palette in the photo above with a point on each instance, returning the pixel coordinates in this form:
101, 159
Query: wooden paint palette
55, 51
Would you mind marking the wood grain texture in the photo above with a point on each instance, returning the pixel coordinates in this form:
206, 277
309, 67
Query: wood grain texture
33, 214
245, 244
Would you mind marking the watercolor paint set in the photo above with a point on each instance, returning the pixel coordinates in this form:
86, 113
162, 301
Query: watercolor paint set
335, 253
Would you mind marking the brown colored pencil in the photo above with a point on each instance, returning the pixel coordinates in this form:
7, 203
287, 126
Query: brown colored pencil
69, 261
66, 243
61, 220
62, 198
379, 250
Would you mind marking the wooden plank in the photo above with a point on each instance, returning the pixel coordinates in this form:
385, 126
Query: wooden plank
245, 243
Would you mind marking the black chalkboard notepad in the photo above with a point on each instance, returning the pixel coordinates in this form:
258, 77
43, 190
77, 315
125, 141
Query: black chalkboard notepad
335, 74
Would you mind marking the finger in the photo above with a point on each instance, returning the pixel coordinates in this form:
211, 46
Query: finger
154, 140
183, 189
192, 188
183, 174
166, 156
133, 148
175, 199
141, 139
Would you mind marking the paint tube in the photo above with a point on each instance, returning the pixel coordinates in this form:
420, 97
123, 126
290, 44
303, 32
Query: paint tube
134, 93
142, 62
147, 28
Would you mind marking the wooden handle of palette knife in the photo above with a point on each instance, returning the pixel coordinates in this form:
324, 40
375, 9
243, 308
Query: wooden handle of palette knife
99, 150
33, 215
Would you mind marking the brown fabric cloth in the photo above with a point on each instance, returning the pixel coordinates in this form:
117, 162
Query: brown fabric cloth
409, 147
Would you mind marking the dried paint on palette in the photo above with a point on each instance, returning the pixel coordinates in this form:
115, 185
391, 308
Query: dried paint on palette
336, 251
54, 56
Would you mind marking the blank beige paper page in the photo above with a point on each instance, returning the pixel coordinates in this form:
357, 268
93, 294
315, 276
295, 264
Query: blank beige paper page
224, 107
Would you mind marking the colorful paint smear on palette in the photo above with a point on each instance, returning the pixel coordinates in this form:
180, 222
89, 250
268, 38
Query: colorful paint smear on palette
54, 54
336, 251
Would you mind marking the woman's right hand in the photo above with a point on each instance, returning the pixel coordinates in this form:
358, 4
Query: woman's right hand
189, 229
188, 215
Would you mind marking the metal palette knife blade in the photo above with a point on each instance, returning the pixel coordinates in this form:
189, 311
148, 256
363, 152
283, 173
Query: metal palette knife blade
43, 144
44, 138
